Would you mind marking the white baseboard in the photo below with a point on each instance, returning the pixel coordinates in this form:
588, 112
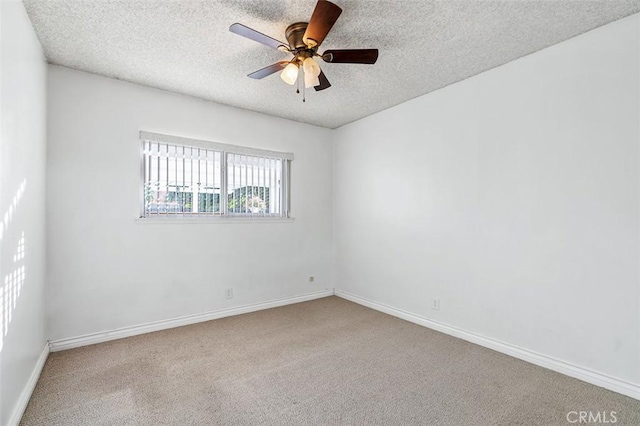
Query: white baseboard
25, 396
119, 333
595, 378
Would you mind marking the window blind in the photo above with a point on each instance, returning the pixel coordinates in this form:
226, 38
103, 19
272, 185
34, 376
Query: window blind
193, 178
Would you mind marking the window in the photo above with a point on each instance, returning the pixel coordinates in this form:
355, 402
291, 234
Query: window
191, 178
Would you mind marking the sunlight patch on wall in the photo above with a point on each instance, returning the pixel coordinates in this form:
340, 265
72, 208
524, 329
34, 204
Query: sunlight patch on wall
12, 283
8, 215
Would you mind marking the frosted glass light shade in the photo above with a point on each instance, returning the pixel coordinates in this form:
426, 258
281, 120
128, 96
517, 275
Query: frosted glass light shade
289, 74
310, 80
311, 67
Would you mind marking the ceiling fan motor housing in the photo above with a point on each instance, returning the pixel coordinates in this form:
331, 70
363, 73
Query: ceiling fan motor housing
294, 34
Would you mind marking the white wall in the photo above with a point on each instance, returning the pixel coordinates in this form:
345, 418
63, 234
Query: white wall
105, 270
22, 165
512, 196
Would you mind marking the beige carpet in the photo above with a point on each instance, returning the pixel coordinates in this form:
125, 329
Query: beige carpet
325, 362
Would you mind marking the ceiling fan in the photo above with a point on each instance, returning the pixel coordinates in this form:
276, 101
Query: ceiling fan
304, 39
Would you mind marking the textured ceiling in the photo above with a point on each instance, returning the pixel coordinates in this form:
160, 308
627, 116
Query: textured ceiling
185, 46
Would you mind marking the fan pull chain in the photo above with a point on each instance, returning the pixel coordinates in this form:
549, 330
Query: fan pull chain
304, 86
298, 82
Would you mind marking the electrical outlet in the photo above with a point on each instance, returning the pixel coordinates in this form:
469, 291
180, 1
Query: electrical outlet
312, 279
435, 304
228, 293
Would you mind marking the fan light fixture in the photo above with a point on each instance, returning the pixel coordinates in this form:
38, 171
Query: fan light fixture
290, 74
311, 73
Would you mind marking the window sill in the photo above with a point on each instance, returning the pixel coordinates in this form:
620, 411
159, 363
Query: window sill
209, 220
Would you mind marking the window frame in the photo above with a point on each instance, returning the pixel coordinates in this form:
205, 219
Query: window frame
224, 150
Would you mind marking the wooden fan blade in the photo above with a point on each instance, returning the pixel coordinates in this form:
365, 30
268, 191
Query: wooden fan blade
324, 83
262, 73
324, 16
254, 35
351, 56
